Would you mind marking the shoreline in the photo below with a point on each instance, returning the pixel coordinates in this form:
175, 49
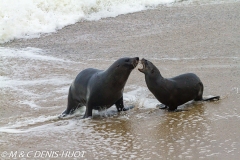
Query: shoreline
168, 25
200, 39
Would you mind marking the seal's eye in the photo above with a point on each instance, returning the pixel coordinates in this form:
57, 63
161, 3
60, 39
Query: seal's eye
118, 66
127, 60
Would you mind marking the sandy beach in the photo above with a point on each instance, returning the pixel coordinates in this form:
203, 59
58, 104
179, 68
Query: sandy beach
203, 39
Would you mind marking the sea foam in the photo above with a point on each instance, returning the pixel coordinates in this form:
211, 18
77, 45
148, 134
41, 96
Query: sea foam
29, 19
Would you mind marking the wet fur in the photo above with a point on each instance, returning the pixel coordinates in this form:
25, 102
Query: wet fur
173, 92
97, 89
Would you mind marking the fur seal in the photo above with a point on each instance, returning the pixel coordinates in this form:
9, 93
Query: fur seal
99, 89
173, 92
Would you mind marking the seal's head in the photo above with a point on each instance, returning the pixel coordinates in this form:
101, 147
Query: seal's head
148, 68
126, 63
120, 70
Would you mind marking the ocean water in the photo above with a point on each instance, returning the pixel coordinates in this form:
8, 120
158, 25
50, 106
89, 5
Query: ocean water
30, 19
34, 82
22, 78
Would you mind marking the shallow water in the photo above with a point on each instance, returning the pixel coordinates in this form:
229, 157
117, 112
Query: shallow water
36, 87
36, 75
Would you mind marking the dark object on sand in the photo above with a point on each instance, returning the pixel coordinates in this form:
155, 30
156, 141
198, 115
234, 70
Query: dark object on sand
173, 92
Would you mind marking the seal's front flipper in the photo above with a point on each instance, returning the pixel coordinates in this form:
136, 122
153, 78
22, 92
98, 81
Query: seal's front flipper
119, 105
162, 106
88, 112
64, 114
180, 110
177, 110
215, 98
127, 108
61, 116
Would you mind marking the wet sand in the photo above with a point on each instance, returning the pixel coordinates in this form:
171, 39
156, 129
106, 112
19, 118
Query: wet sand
203, 39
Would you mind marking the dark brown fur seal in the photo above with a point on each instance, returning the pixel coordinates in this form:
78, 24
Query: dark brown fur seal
173, 92
99, 89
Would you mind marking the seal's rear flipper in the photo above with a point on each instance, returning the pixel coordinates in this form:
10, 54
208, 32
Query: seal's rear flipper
215, 98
